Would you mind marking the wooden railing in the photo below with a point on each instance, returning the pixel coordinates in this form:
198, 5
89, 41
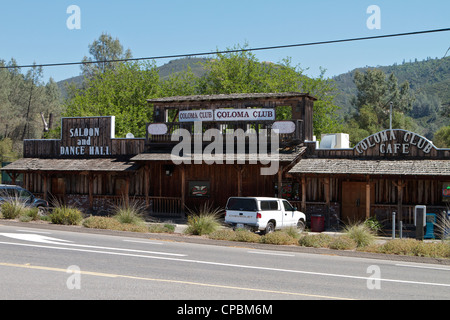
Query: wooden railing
167, 206
227, 128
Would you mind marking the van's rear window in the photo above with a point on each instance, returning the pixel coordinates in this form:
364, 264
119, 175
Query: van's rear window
241, 204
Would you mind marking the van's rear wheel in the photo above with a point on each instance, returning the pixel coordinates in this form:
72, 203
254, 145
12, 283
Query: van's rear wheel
270, 227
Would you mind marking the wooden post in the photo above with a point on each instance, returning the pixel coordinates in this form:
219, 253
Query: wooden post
183, 186
368, 199
303, 193
91, 191
239, 169
147, 184
127, 191
400, 185
280, 181
45, 187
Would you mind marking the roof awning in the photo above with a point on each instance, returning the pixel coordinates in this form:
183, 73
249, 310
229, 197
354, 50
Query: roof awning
70, 165
373, 167
247, 157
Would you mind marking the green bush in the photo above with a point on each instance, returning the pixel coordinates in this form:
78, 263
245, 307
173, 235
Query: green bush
321, 240
278, 237
30, 214
373, 224
203, 223
161, 228
223, 234
129, 212
361, 234
413, 247
293, 232
342, 243
243, 235
109, 223
66, 215
12, 209
97, 222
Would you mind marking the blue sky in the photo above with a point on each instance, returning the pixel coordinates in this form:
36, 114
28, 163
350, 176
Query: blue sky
36, 31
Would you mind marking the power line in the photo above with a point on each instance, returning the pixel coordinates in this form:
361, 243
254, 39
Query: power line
230, 51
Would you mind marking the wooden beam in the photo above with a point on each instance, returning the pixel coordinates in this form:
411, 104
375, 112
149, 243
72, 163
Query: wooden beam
280, 181
91, 191
239, 169
183, 186
303, 193
367, 199
45, 187
147, 184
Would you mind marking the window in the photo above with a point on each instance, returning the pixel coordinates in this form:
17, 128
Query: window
287, 206
269, 205
240, 204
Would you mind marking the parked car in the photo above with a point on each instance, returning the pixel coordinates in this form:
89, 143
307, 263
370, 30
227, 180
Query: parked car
263, 214
12, 192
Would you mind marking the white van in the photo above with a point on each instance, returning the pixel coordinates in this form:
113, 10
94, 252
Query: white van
263, 214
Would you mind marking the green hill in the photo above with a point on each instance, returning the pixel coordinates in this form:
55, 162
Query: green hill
429, 79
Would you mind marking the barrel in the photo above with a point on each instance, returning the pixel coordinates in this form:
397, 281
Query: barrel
317, 223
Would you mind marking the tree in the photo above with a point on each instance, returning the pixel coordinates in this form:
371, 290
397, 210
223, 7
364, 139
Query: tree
442, 137
105, 48
242, 72
375, 92
23, 97
121, 92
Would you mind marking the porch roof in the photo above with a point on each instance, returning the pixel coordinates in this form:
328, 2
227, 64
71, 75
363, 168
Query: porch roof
282, 157
70, 165
373, 167
232, 96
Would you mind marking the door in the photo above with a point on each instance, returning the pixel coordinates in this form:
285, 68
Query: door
288, 215
353, 202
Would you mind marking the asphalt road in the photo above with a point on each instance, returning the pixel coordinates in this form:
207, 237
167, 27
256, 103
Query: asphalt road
54, 264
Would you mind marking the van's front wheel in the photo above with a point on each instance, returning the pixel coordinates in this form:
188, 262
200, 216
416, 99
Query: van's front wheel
301, 225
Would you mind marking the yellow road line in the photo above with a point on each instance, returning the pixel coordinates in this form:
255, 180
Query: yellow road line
109, 275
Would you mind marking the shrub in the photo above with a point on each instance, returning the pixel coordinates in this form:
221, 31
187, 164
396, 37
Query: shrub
130, 213
278, 237
321, 240
413, 247
293, 232
66, 215
205, 221
361, 234
243, 235
223, 234
12, 209
96, 222
200, 224
161, 228
30, 214
342, 243
109, 223
373, 224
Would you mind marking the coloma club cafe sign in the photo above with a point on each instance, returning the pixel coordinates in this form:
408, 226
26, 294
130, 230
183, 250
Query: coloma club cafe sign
394, 141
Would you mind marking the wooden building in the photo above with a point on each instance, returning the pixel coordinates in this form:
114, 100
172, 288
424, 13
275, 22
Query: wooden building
389, 171
202, 149
90, 168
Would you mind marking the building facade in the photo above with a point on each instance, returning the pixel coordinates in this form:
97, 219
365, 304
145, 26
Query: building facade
204, 149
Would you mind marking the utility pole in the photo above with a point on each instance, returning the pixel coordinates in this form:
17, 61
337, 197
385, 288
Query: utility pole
390, 115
